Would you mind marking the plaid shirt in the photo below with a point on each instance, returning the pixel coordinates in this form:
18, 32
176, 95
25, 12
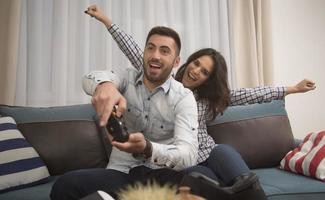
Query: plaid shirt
237, 97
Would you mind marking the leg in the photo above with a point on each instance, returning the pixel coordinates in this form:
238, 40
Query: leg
226, 163
203, 170
202, 181
230, 167
166, 175
162, 176
78, 184
185, 177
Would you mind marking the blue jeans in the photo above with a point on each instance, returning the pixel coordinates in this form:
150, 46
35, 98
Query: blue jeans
224, 164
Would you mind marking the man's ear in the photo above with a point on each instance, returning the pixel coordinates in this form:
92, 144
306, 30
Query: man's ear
177, 61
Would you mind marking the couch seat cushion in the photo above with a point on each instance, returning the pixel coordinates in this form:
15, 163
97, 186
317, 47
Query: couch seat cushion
279, 184
38, 192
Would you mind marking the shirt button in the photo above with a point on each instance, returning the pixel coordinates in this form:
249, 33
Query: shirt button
146, 116
129, 110
193, 129
161, 126
155, 160
148, 98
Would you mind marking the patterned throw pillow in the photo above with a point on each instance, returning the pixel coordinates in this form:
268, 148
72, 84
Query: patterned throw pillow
20, 164
309, 158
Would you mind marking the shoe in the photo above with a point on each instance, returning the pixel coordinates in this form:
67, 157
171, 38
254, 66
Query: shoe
245, 187
201, 185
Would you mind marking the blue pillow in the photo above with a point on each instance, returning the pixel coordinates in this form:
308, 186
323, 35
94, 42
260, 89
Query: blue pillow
20, 165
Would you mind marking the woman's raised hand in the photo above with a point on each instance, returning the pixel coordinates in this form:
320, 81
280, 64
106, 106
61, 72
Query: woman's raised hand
95, 11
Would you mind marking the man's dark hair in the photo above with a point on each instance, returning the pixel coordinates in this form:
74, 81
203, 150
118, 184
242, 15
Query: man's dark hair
165, 31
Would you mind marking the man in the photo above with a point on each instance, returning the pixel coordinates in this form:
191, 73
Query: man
161, 117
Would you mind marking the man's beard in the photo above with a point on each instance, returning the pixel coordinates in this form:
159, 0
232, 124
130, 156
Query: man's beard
162, 76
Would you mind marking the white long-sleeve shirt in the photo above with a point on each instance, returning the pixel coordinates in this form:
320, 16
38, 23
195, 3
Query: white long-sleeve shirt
166, 116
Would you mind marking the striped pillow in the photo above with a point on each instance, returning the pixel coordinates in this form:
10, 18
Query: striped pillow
20, 164
309, 158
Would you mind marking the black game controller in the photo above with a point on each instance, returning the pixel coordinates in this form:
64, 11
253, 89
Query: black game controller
117, 129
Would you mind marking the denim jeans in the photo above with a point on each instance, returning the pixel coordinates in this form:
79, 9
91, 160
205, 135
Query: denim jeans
226, 163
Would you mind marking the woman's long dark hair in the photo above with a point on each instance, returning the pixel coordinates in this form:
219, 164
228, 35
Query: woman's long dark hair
216, 89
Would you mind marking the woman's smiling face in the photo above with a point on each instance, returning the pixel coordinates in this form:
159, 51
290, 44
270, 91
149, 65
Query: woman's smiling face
197, 72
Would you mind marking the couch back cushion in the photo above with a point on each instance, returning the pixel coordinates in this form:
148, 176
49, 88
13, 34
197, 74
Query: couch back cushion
260, 132
66, 137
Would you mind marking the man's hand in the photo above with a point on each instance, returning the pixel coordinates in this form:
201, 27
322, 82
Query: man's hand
94, 11
135, 144
105, 98
301, 87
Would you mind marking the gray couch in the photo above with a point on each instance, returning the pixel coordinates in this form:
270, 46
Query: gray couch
67, 139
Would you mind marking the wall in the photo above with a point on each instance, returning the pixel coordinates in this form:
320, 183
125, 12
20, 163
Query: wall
298, 29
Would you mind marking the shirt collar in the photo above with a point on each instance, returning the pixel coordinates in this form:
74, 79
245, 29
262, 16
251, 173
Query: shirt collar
139, 79
165, 86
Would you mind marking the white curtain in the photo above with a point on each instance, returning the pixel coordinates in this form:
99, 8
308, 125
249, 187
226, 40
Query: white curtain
251, 29
59, 43
9, 34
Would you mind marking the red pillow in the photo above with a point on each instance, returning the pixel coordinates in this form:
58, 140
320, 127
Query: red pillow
309, 158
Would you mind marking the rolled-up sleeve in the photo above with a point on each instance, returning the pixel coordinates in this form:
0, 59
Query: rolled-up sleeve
92, 79
184, 150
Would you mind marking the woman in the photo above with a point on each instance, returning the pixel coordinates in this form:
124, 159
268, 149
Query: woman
205, 73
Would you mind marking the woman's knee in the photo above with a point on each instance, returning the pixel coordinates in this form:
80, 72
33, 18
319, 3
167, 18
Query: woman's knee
222, 150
